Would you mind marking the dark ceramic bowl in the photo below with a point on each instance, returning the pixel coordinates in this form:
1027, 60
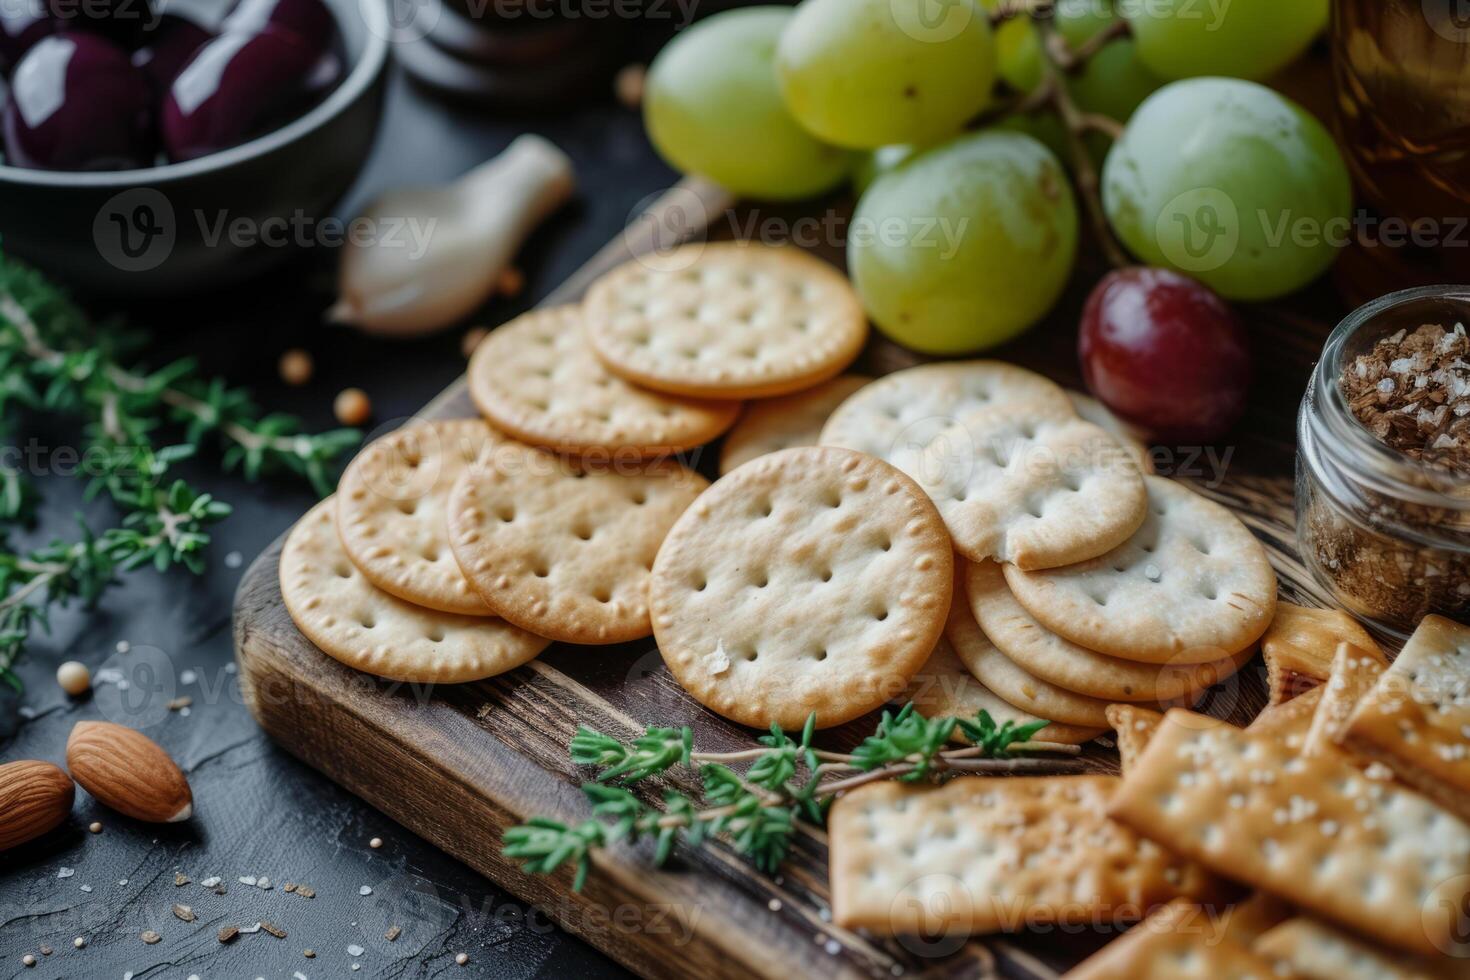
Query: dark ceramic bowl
217, 220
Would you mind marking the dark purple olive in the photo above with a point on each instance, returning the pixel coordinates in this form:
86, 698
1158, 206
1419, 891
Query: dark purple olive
19, 29
309, 20
167, 48
231, 85
120, 21
77, 103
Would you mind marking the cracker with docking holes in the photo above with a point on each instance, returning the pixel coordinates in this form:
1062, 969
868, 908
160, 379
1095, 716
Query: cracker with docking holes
913, 405
353, 621
563, 548
1181, 941
1310, 950
734, 320
1133, 725
1300, 643
1128, 437
1353, 675
773, 424
390, 512
1416, 719
1192, 585
1044, 654
810, 580
1013, 683
945, 688
1368, 855
982, 855
1022, 480
536, 379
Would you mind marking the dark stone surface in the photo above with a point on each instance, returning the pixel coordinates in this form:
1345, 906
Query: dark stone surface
259, 812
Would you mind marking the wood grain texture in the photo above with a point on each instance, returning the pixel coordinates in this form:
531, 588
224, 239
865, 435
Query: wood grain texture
459, 764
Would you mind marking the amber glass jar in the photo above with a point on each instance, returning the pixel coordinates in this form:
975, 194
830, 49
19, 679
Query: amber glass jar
1402, 81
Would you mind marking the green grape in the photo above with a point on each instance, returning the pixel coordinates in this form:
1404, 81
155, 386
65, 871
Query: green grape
965, 245
868, 73
872, 165
1239, 38
711, 107
1229, 182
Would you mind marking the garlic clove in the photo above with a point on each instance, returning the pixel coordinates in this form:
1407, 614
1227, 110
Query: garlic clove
438, 251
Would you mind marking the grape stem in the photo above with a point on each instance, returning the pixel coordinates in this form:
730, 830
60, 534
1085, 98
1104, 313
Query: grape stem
1077, 124
1070, 59
1011, 9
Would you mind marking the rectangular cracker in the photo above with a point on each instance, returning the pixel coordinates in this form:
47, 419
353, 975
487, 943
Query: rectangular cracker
1316, 831
982, 855
1288, 721
1416, 719
1247, 920
1353, 674
1133, 726
1178, 942
1299, 645
1312, 950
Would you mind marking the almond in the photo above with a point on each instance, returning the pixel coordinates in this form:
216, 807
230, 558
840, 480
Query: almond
127, 771
34, 798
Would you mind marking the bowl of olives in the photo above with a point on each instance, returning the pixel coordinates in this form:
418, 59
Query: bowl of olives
153, 147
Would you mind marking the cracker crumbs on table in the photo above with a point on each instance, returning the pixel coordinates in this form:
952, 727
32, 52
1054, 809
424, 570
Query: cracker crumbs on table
184, 913
228, 933
150, 937
1412, 391
393, 933
273, 929
180, 879
179, 703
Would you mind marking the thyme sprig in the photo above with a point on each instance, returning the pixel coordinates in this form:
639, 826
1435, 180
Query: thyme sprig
787, 780
54, 359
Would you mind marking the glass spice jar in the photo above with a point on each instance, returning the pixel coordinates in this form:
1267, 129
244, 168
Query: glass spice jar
1386, 534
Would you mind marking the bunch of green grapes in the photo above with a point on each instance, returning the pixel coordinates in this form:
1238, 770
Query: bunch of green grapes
960, 240
1232, 183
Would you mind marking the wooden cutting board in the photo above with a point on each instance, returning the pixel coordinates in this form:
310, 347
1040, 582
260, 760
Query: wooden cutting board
459, 764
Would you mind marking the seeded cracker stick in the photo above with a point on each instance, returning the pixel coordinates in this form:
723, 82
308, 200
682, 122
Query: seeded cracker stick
986, 855
1416, 720
1178, 942
1133, 726
1371, 856
1299, 645
1353, 675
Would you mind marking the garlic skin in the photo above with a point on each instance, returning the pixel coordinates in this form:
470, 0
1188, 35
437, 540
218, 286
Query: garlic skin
471, 229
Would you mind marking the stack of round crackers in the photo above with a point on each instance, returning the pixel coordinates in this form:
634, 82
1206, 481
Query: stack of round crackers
456, 550
968, 535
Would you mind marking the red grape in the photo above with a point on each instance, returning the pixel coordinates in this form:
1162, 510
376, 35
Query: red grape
1165, 353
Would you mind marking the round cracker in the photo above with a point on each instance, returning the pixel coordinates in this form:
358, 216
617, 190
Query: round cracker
1190, 586
564, 548
810, 580
773, 424
1049, 657
734, 320
1129, 437
390, 512
1024, 690
945, 688
1016, 474
911, 406
536, 379
349, 619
